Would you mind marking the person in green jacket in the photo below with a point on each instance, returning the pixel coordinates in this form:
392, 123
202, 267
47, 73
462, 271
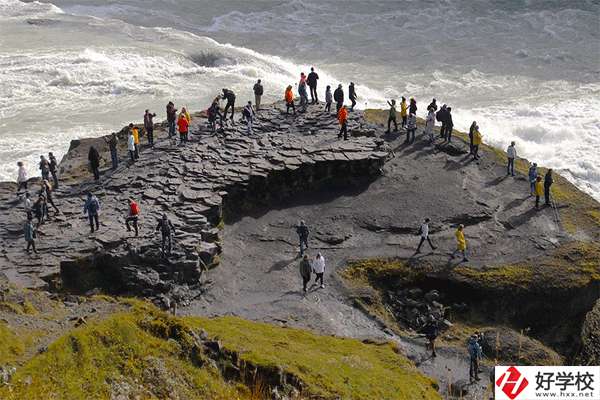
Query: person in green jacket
392, 116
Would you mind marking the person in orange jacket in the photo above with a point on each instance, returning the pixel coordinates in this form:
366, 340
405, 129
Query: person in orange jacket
183, 126
289, 100
343, 120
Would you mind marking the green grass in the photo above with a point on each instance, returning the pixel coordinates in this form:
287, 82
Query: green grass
11, 345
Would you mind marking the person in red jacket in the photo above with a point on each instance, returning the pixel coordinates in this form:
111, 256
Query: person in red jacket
134, 211
343, 120
183, 125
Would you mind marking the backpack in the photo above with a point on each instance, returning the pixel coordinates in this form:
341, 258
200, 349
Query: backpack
438, 116
135, 209
246, 113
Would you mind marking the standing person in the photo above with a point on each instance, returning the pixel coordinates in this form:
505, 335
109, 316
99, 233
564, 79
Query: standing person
91, 208
303, 232
441, 117
305, 271
213, 112
29, 232
312, 84
21, 176
258, 92
430, 124
461, 243
112, 142
539, 191
186, 114
46, 189
149, 126
53, 170
343, 120
248, 114
431, 331
477, 140
40, 209
131, 146
328, 98
532, 174
352, 95
136, 140
319, 268
392, 116
412, 108
289, 100
432, 106
449, 124
230, 97
471, 131
134, 211
338, 97
411, 127
302, 91
424, 230
548, 181
44, 167
171, 118
94, 159
475, 355
183, 126
403, 112
27, 204
511, 153
167, 230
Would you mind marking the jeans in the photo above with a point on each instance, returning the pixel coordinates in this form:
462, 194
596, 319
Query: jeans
532, 186
171, 128
404, 120
328, 107
45, 175
134, 220
443, 130
114, 158
474, 368
344, 131
319, 277
31, 244
305, 280
132, 155
93, 218
537, 201
229, 104
410, 135
137, 151
249, 126
475, 150
303, 245
313, 94
257, 101
510, 167
353, 104
547, 194
423, 239
449, 132
288, 106
54, 179
150, 133
390, 119
338, 106
167, 243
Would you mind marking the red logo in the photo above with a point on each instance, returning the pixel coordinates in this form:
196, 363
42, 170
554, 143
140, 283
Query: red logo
512, 383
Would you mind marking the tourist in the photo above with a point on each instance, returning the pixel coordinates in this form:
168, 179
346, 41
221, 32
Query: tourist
343, 120
471, 131
40, 209
171, 118
91, 208
46, 190
430, 124
411, 127
319, 268
289, 100
461, 243
167, 230
230, 97
532, 174
412, 108
27, 204
29, 231
403, 112
214, 112
352, 95
183, 126
449, 124
134, 211
424, 231
94, 159
136, 140
475, 354
431, 331
328, 98
392, 117
432, 106
302, 91
338, 97
186, 114
477, 140
312, 79
441, 117
112, 142
131, 146
539, 190
44, 167
303, 232
53, 169
149, 126
548, 181
248, 114
305, 271
511, 154
21, 177
258, 92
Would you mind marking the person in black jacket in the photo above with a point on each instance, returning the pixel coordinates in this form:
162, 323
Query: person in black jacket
449, 124
352, 95
471, 132
338, 97
167, 231
230, 97
258, 92
441, 117
431, 331
311, 80
94, 159
302, 231
548, 181
412, 108
171, 118
432, 106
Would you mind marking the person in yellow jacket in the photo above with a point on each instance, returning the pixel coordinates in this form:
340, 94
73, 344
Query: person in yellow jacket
461, 243
186, 114
136, 140
476, 142
404, 112
539, 190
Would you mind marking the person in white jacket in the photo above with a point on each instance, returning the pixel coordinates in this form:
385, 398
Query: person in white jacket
319, 268
511, 153
430, 124
21, 177
131, 146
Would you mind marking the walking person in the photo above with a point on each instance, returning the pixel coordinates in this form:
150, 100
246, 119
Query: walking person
53, 170
511, 154
343, 120
289, 100
21, 177
46, 190
548, 181
392, 116
131, 146
328, 99
471, 132
539, 191
132, 216
230, 97
319, 268
112, 142
305, 272
167, 231
411, 128
412, 108
212, 113
258, 92
302, 91
94, 159
29, 232
449, 125
532, 175
91, 208
183, 126
424, 231
40, 209
430, 124
136, 140
431, 331
149, 126
303, 232
477, 140
248, 114
352, 95
403, 112
171, 118
461, 243
475, 355
312, 79
27, 204
338, 97
441, 117
44, 167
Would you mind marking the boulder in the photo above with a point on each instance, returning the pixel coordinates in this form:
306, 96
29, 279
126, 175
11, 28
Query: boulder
509, 346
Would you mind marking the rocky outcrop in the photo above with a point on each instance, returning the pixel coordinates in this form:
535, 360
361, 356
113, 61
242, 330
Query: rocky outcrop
590, 337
